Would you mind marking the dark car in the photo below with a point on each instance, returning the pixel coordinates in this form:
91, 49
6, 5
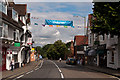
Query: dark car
71, 61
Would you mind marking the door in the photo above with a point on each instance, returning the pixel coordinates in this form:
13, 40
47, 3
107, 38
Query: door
3, 60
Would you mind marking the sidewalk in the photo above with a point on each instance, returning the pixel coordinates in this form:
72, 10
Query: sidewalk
26, 68
106, 70
109, 71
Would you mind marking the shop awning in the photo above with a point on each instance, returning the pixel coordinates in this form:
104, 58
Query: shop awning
90, 52
101, 51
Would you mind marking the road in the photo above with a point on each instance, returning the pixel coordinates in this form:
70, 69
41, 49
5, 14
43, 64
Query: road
59, 70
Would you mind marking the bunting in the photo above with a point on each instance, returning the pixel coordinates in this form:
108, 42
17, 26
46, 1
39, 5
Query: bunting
50, 25
65, 26
57, 25
35, 23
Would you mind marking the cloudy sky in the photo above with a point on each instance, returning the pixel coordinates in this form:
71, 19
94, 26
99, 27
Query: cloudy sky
57, 11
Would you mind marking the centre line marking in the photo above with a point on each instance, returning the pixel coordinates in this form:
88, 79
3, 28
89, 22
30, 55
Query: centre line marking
20, 76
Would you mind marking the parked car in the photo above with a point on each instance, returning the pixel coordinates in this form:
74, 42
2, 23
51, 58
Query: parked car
71, 61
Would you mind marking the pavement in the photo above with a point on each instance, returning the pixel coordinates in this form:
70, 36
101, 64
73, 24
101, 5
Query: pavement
18, 71
105, 70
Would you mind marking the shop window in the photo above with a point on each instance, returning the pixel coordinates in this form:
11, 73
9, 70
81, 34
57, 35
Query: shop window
112, 59
15, 57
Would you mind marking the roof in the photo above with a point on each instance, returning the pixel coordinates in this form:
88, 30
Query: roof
80, 40
20, 8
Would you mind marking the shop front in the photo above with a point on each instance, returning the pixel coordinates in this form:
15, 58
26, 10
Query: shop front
101, 55
12, 54
90, 56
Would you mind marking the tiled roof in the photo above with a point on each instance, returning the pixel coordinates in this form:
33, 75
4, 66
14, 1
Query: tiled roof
20, 8
81, 40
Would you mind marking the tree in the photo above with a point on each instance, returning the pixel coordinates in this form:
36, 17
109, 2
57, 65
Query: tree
51, 52
68, 44
61, 48
107, 18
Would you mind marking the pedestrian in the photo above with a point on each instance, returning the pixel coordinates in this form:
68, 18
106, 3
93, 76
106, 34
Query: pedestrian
60, 59
83, 61
12, 64
80, 61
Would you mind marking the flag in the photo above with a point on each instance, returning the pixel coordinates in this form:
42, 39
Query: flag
79, 26
73, 26
65, 26
43, 25
86, 27
58, 25
35, 23
50, 25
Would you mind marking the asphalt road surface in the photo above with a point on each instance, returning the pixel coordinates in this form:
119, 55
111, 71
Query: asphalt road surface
59, 70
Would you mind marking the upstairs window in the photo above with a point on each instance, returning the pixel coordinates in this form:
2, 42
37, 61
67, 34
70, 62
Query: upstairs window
14, 15
16, 35
3, 7
3, 30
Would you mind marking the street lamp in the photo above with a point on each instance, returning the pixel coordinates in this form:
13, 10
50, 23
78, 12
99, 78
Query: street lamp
84, 23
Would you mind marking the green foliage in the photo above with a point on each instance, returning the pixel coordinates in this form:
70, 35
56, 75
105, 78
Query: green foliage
54, 51
107, 18
68, 44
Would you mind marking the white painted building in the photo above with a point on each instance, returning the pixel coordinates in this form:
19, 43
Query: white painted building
112, 44
113, 53
11, 32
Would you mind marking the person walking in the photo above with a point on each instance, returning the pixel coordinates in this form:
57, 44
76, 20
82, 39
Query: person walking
12, 64
60, 59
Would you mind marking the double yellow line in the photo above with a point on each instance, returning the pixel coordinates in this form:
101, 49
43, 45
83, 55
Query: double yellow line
22, 72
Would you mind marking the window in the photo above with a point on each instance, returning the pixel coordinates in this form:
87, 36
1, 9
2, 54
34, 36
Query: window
111, 36
90, 39
14, 15
3, 7
112, 58
15, 57
4, 30
0, 31
16, 35
103, 37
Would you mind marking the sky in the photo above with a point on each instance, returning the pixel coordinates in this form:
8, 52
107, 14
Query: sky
72, 11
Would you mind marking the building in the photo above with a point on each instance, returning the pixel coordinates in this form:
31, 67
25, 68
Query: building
13, 33
103, 49
113, 52
72, 49
80, 44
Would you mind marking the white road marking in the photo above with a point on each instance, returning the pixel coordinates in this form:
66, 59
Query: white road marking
62, 76
20, 76
31, 71
28, 72
41, 65
58, 69
37, 69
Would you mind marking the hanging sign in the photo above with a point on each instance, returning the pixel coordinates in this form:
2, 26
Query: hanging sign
17, 44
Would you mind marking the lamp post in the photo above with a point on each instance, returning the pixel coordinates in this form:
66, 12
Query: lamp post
84, 24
